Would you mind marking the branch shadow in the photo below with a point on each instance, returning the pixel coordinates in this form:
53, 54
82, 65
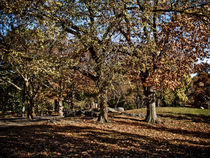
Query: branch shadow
142, 124
76, 141
191, 117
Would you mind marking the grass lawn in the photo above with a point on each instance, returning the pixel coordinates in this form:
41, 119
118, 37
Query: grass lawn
183, 132
176, 111
184, 110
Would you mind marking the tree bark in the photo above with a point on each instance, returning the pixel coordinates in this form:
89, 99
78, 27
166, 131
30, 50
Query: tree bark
23, 111
29, 99
151, 116
103, 116
60, 107
55, 105
30, 111
72, 99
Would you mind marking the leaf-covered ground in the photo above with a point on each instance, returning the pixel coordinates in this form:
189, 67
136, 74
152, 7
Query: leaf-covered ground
175, 136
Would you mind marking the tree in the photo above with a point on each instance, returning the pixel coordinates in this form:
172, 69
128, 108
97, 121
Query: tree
178, 96
162, 39
166, 38
60, 73
20, 52
200, 90
87, 22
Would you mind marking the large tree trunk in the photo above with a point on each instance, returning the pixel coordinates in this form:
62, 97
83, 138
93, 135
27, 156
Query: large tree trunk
103, 116
151, 116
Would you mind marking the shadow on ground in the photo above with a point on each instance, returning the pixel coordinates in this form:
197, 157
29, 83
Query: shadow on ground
191, 117
77, 141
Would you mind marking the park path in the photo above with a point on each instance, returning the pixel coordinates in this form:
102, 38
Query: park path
19, 121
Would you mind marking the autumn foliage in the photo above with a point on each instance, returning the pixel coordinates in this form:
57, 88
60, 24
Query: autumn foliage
62, 48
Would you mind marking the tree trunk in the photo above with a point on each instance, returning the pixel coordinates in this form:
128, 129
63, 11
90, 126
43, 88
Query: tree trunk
138, 102
157, 101
55, 105
11, 108
30, 112
72, 100
60, 107
151, 116
138, 96
23, 100
4, 102
28, 100
103, 116
23, 111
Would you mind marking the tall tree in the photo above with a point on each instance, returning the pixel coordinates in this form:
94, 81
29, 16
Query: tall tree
165, 38
20, 52
89, 22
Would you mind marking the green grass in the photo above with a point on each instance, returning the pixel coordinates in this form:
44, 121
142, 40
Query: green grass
183, 110
175, 110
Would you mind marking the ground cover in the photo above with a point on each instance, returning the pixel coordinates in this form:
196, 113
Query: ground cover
176, 135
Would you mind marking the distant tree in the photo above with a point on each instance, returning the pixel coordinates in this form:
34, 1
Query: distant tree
59, 74
201, 90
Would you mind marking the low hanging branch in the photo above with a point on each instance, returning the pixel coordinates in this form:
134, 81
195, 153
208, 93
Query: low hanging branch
10, 82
